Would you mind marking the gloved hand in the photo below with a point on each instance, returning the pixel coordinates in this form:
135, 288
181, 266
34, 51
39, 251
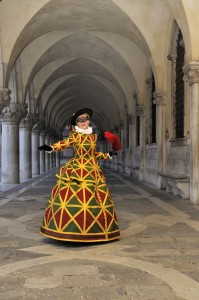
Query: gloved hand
111, 153
45, 148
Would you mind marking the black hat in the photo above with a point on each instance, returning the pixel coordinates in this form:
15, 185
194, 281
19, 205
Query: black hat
80, 112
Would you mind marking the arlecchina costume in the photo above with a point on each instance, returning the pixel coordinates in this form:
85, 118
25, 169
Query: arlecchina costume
81, 208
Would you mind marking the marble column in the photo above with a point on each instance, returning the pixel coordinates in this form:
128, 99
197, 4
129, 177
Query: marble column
47, 155
160, 100
42, 153
191, 72
121, 154
25, 146
12, 116
132, 134
57, 159
140, 111
35, 151
51, 157
4, 101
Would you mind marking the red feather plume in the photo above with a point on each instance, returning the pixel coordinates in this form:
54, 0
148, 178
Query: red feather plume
113, 140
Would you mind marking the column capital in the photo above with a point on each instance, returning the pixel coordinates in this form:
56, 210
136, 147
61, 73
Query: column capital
140, 110
36, 127
4, 98
131, 119
191, 73
42, 133
14, 112
172, 58
28, 121
159, 98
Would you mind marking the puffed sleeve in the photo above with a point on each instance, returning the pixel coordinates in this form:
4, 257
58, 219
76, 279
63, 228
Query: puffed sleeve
101, 155
65, 143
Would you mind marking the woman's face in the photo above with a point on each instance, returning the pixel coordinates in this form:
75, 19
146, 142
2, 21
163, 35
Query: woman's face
83, 121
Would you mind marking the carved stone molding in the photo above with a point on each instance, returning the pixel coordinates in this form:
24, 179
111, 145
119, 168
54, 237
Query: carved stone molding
42, 133
14, 112
172, 58
159, 98
131, 119
36, 127
140, 110
191, 73
4, 98
28, 121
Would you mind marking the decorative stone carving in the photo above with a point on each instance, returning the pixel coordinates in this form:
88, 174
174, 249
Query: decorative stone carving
28, 121
149, 82
4, 98
36, 127
131, 119
140, 110
191, 73
159, 98
14, 112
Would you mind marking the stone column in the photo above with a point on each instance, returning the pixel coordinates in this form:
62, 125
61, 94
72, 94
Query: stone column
47, 155
35, 151
51, 157
12, 116
140, 111
160, 100
131, 122
121, 154
191, 72
25, 146
4, 101
42, 153
57, 159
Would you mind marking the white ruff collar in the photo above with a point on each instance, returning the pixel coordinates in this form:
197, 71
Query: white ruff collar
84, 131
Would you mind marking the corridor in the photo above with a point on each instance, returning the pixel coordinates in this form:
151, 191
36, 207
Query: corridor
155, 259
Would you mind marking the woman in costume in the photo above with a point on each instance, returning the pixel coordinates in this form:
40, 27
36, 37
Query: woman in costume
81, 208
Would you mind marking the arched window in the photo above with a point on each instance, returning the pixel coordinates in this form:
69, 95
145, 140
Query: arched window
179, 88
177, 56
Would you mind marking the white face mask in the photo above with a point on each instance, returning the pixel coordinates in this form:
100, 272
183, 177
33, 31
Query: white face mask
84, 131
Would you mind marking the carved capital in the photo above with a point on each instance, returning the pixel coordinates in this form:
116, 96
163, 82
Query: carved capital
191, 73
159, 98
130, 119
140, 110
4, 98
28, 121
42, 133
36, 127
14, 112
172, 58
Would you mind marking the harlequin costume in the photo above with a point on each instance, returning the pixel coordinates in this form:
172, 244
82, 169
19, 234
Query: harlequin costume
81, 208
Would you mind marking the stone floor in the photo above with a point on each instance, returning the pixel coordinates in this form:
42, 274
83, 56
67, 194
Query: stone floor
157, 257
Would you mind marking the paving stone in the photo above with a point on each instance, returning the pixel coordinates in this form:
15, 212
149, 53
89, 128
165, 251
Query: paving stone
157, 257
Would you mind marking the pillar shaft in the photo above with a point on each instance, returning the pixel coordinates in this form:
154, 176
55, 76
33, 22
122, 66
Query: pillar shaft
42, 153
35, 153
160, 134
11, 115
47, 155
25, 153
141, 113
192, 76
26, 146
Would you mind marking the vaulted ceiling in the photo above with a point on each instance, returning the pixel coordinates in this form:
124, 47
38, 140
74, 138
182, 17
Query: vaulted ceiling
95, 54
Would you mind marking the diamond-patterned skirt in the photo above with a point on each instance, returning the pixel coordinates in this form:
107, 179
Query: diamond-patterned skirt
81, 212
